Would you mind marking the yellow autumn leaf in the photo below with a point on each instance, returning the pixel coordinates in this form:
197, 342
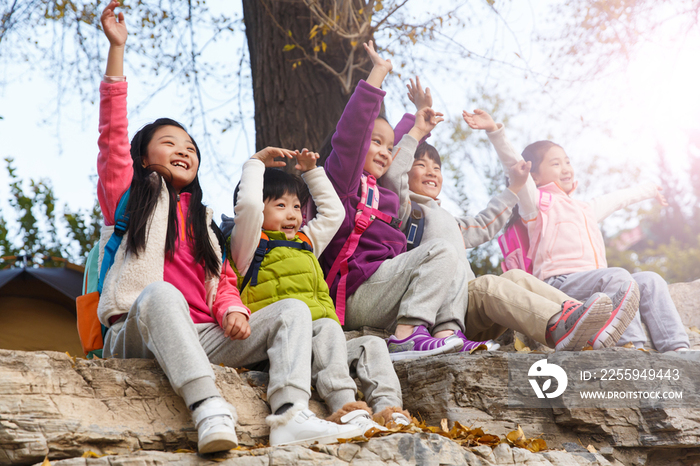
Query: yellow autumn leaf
378, 6
361, 10
91, 454
317, 48
314, 31
46, 462
324, 46
289, 33
353, 43
288, 47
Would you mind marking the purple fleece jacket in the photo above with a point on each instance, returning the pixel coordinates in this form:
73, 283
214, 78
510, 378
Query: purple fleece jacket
344, 168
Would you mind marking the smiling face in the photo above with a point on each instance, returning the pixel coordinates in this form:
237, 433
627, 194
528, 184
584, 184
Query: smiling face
555, 167
379, 156
425, 177
283, 214
172, 153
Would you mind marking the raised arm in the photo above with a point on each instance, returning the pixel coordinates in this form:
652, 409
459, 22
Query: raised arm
330, 212
115, 30
396, 177
354, 130
609, 203
114, 164
487, 223
508, 157
248, 210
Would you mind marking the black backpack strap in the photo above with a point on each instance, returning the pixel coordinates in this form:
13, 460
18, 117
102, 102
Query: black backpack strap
263, 248
416, 224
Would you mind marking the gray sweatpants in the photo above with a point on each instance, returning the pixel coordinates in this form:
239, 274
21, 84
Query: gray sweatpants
420, 287
159, 326
656, 308
329, 369
368, 358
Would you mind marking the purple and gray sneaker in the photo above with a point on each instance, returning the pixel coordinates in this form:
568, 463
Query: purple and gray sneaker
470, 345
420, 343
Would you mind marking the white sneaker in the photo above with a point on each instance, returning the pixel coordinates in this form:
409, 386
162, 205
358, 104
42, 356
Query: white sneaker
361, 418
401, 419
215, 420
304, 426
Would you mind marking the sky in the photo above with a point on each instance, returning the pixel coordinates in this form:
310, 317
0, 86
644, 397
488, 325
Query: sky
653, 100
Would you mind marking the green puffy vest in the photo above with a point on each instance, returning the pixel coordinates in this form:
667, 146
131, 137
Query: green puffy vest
288, 273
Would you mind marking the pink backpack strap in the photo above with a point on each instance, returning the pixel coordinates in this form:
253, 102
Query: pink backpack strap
367, 212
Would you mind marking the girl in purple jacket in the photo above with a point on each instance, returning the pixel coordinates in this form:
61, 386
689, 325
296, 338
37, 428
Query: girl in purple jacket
373, 281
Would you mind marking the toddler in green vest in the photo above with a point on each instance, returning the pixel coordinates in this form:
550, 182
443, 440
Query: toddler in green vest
276, 258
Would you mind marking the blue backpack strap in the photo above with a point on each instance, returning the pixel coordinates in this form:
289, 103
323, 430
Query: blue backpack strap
120, 227
264, 247
416, 224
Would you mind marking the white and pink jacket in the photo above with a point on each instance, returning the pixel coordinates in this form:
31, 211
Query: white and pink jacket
209, 298
564, 232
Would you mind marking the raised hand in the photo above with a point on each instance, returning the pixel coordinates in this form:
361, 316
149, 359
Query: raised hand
518, 174
660, 197
113, 25
269, 154
479, 120
380, 68
377, 61
426, 120
420, 98
306, 160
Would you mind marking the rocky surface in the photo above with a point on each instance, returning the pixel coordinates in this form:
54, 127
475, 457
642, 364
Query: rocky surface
57, 406
398, 449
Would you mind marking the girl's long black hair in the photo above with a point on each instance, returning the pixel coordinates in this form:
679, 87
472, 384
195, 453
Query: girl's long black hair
145, 190
533, 153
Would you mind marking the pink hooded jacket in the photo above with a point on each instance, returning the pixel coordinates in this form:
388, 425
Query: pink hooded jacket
565, 236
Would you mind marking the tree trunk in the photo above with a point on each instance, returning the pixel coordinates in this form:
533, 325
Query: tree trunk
295, 107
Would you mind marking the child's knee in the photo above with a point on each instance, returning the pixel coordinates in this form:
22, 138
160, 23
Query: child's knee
516, 275
294, 310
374, 348
649, 279
160, 294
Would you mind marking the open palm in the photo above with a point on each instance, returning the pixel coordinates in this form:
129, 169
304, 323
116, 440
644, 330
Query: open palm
113, 25
479, 120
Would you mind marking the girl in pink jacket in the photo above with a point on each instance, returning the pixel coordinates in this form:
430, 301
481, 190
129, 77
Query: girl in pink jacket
567, 248
168, 296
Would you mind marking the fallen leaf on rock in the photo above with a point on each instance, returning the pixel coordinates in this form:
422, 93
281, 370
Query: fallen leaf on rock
520, 346
46, 462
591, 448
695, 329
91, 454
184, 450
517, 438
478, 348
443, 425
629, 345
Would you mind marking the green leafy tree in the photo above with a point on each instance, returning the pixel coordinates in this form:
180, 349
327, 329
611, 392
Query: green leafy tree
38, 226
